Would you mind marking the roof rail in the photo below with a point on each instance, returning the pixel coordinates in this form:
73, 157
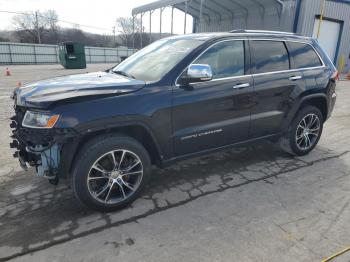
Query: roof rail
237, 31
261, 31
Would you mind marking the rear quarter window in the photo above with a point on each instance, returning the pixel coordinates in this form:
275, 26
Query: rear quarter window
269, 56
303, 55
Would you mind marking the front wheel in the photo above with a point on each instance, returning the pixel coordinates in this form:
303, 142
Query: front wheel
304, 132
110, 172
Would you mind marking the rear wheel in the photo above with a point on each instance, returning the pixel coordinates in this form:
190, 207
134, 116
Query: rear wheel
110, 172
304, 132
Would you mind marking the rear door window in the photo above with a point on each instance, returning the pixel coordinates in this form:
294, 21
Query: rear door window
270, 56
303, 55
225, 58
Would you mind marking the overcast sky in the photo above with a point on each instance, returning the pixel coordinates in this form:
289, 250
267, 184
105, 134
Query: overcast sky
98, 13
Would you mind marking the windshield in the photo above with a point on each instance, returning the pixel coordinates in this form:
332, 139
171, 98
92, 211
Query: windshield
151, 63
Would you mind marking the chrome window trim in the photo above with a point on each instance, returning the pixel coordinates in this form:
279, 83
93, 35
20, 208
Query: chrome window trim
257, 74
287, 71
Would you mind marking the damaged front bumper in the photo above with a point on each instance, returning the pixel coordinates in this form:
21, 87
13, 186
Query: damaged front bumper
48, 159
40, 148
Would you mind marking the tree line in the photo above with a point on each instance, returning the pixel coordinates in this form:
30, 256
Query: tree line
42, 27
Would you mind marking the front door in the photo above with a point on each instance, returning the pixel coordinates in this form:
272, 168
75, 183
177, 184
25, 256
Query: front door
214, 113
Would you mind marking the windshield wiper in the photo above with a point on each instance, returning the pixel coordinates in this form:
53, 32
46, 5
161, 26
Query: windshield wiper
123, 73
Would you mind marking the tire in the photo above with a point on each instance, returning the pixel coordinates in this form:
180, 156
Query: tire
107, 175
295, 141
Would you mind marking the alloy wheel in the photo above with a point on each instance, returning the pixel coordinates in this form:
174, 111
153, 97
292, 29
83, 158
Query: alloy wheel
308, 131
115, 176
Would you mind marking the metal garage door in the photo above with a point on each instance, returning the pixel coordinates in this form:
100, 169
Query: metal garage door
329, 36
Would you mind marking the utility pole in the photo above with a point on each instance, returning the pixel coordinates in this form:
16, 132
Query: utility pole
172, 20
150, 26
186, 7
141, 31
133, 33
114, 43
37, 26
160, 21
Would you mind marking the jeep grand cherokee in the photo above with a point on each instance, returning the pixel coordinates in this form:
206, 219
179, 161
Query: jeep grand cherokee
177, 98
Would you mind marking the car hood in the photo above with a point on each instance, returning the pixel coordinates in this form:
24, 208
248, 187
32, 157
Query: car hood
44, 93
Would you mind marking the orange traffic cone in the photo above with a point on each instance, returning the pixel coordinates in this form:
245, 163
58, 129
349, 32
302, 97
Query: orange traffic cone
7, 72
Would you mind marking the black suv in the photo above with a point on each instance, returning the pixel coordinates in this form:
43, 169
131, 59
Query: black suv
177, 98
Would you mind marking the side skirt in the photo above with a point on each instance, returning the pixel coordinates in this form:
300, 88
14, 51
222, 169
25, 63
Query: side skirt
168, 162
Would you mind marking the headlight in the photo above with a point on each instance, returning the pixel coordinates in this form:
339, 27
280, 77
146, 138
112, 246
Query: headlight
39, 119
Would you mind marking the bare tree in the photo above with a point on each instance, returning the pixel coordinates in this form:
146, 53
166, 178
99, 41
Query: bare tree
52, 29
51, 19
129, 31
31, 27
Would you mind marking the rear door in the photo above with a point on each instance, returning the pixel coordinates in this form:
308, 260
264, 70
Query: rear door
214, 113
274, 86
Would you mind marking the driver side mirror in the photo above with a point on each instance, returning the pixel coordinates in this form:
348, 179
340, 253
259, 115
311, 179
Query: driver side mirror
196, 73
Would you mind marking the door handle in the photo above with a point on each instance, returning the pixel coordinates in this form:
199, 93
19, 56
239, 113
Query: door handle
293, 78
239, 86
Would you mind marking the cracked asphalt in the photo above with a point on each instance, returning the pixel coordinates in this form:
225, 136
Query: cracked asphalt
251, 203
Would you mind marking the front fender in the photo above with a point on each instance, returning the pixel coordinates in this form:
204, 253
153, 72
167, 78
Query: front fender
111, 125
71, 148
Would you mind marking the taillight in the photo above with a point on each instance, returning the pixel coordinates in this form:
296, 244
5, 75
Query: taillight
335, 75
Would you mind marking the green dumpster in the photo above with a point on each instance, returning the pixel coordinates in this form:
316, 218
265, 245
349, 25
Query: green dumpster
72, 55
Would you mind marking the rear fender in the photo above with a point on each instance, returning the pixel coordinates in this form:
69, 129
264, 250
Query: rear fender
306, 100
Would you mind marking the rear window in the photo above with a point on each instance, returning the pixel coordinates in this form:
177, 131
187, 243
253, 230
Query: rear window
303, 55
270, 56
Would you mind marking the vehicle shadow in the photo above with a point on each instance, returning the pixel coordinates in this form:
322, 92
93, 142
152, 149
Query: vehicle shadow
35, 215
